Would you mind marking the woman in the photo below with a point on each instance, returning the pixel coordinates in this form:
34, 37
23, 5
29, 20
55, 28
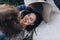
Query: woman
25, 17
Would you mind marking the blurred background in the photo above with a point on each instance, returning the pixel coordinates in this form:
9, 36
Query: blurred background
19, 2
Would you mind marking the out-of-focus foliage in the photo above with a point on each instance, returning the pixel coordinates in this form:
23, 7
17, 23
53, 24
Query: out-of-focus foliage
57, 2
13, 2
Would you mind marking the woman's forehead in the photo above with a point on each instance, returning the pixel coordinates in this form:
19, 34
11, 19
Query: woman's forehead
32, 15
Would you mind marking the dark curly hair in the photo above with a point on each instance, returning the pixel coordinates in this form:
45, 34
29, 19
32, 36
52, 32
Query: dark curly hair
8, 16
29, 10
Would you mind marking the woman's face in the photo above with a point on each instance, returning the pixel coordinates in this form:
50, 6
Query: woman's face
29, 19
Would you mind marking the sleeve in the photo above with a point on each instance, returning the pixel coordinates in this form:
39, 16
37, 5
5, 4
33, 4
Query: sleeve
2, 36
21, 7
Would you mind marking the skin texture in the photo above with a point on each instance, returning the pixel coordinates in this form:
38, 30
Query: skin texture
28, 11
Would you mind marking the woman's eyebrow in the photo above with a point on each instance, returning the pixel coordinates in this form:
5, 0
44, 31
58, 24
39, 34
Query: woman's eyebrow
28, 14
31, 18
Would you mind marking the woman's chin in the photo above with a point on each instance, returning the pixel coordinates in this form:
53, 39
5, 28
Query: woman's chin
26, 24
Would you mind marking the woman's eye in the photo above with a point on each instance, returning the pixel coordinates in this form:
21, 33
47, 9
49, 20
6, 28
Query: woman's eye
31, 19
28, 14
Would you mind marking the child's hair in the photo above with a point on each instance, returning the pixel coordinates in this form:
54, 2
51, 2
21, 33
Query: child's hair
8, 16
